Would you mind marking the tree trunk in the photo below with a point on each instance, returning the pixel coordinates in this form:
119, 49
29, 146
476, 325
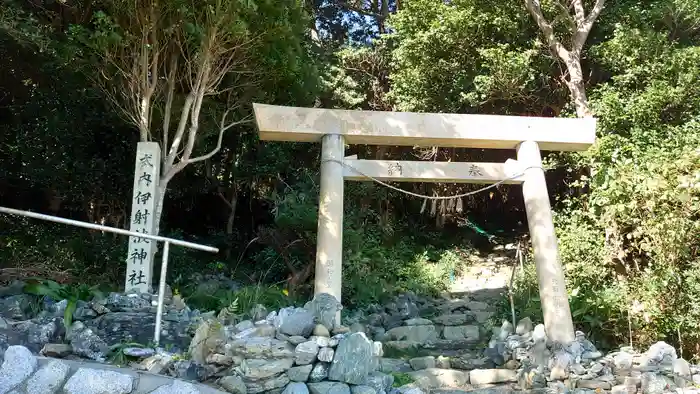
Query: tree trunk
233, 203
571, 57
160, 199
577, 87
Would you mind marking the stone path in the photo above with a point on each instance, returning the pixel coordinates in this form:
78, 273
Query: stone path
491, 271
24, 373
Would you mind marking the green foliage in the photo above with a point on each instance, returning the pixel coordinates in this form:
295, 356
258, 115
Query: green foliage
241, 301
57, 292
401, 378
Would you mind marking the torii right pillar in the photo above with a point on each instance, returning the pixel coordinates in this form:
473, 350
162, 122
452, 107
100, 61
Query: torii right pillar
550, 274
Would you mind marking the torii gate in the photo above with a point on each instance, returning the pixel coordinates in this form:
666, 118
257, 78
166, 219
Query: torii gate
335, 128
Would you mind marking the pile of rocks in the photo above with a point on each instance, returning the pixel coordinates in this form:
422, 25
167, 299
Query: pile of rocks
419, 326
295, 350
96, 326
23, 373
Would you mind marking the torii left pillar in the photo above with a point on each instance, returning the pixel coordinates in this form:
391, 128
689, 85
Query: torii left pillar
329, 242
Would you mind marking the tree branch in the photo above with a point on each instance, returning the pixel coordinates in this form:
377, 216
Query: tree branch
359, 10
222, 129
533, 6
586, 25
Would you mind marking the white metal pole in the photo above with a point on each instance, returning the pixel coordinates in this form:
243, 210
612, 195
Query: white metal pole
555, 304
161, 292
329, 243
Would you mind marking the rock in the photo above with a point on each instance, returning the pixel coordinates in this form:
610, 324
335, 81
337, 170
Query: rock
326, 354
512, 364
681, 367
258, 312
59, 350
295, 321
329, 388
362, 389
49, 378
260, 347
531, 378
419, 363
257, 369
488, 376
18, 365
353, 359
86, 343
593, 384
442, 362
357, 327
539, 334
477, 306
419, 334
321, 331
559, 365
623, 360
208, 336
259, 386
158, 363
407, 308
321, 341
220, 359
622, 389
15, 288
418, 322
660, 353
319, 372
300, 373
470, 333
653, 383
244, 325
296, 388
296, 340
305, 353
324, 308
410, 389
233, 384
99, 381
482, 317
16, 307
524, 326
340, 330
380, 382
176, 387
139, 352
454, 319
436, 378
391, 365
188, 370
265, 330
377, 349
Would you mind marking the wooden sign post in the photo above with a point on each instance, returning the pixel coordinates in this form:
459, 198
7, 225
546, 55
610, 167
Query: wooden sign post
139, 260
526, 135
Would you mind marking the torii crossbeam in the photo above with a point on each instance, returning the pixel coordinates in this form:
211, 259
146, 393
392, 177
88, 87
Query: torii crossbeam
527, 135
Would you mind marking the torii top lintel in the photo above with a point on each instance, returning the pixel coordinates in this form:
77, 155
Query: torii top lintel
280, 123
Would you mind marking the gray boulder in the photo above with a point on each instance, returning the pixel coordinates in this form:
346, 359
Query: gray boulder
324, 307
353, 359
329, 388
295, 321
98, 381
296, 388
18, 365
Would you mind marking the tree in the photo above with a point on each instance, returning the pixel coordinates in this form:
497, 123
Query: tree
168, 63
580, 26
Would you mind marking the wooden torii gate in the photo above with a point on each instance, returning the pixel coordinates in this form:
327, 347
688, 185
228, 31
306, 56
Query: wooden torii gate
527, 135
